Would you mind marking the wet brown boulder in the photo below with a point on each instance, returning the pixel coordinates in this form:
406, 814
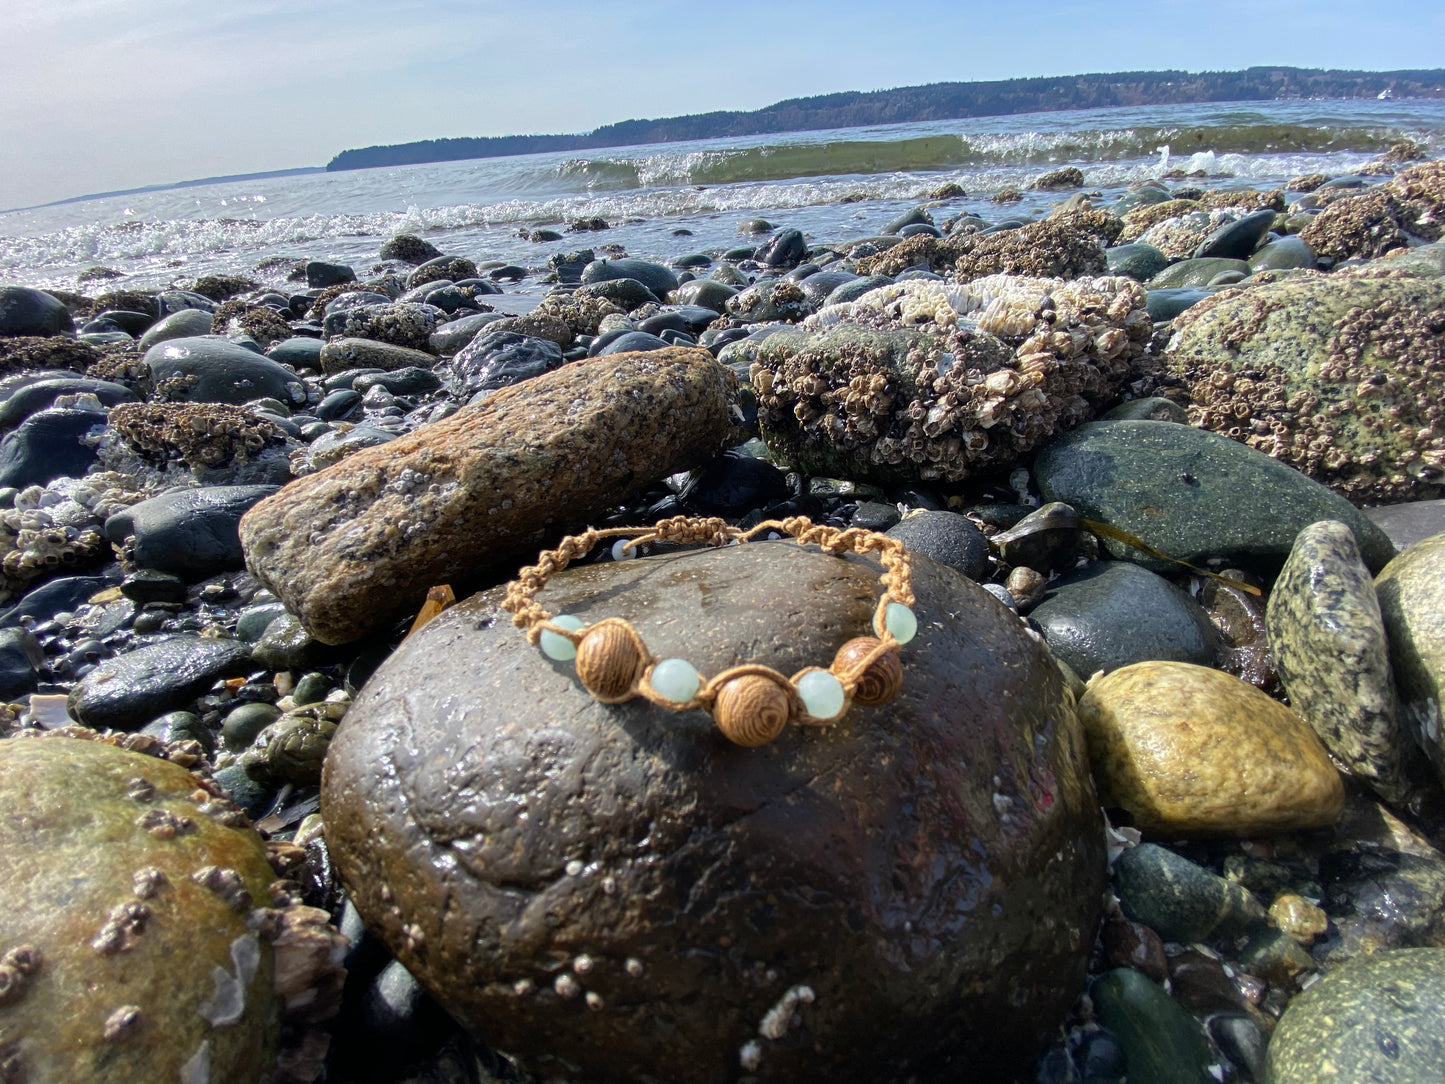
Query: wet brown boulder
356, 546
617, 893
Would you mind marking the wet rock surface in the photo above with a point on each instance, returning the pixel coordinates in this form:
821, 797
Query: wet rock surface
670, 901
1409, 589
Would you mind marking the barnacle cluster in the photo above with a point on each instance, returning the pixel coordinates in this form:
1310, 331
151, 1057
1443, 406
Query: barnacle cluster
1371, 223
1064, 245
24, 353
1340, 376
926, 380
1178, 237
260, 322
58, 526
1141, 219
221, 287
198, 435
582, 313
399, 323
1243, 199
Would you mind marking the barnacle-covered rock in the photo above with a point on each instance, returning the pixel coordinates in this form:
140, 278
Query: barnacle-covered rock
1138, 221
28, 352
260, 322
926, 380
139, 912
582, 313
1383, 218
1064, 245
769, 301
400, 323
1178, 237
1244, 199
1338, 376
221, 287
57, 526
200, 437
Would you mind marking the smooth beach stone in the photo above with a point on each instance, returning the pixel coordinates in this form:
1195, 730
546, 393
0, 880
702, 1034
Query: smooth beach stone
626, 292
1162, 1043
131, 689
1167, 304
648, 834
492, 483
252, 622
1411, 590
338, 355
946, 537
657, 278
908, 218
1150, 409
707, 293
769, 300
1332, 374
1332, 654
30, 398
1195, 272
338, 405
854, 288
1048, 539
286, 645
784, 249
193, 533
299, 352
1193, 495
410, 380
81, 869
208, 369
185, 324
170, 301
24, 311
290, 750
450, 337
133, 323
733, 484
1379, 1018
53, 596
1114, 613
1184, 748
243, 723
499, 359
625, 342
1138, 261
1282, 254
1411, 522
1236, 240
21, 658
819, 286
1180, 900
320, 274
50, 444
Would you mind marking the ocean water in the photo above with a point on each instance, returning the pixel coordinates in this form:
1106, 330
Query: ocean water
666, 200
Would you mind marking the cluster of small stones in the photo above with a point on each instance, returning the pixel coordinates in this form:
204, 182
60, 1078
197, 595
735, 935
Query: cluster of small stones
58, 526
1371, 431
1370, 223
1009, 362
198, 435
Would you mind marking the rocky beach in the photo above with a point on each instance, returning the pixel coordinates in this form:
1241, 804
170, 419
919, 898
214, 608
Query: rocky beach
286, 797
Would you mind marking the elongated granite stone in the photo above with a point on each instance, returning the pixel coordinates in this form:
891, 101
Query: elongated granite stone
357, 545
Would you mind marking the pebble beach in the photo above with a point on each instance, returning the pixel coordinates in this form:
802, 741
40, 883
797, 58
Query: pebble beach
1158, 793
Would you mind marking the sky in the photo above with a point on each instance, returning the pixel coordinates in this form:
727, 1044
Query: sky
98, 95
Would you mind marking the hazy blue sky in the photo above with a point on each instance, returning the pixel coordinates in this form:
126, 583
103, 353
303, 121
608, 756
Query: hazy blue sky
105, 94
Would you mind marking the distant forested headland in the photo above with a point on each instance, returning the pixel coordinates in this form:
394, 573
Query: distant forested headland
935, 101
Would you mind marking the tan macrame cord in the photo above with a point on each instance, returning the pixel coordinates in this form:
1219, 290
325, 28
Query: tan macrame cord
527, 614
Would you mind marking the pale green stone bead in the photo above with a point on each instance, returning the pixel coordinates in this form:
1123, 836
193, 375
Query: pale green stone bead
676, 679
556, 646
821, 693
899, 620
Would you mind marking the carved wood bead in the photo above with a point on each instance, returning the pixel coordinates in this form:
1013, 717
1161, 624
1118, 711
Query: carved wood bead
609, 663
751, 710
881, 681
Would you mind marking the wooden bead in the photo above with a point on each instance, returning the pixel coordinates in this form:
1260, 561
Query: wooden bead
881, 681
751, 710
609, 662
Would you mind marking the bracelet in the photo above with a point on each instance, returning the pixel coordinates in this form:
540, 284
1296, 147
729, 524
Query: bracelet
751, 703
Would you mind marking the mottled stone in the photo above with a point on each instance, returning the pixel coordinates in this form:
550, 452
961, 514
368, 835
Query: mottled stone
948, 538
96, 877
668, 895
1380, 1018
1192, 495
290, 750
357, 545
399, 323
1184, 748
1181, 900
353, 353
205, 369
1333, 374
1411, 590
1332, 655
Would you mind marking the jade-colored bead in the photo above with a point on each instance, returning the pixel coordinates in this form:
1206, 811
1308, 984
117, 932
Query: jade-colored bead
821, 693
556, 646
899, 620
676, 679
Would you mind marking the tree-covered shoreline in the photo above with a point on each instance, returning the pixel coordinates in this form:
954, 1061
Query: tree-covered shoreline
934, 101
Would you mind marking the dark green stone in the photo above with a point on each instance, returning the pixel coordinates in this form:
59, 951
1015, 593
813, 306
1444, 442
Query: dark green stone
1162, 1043
1180, 900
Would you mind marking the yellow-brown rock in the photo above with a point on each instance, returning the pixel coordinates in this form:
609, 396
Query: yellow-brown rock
1188, 749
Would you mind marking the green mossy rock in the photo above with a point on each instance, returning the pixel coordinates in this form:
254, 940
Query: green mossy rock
140, 973
1411, 590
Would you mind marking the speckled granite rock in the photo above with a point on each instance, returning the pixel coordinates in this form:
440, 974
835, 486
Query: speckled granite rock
1380, 1018
1181, 900
615, 893
342, 354
357, 545
1335, 375
1411, 590
1193, 495
142, 970
1330, 649
1187, 749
